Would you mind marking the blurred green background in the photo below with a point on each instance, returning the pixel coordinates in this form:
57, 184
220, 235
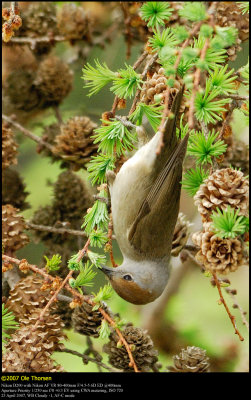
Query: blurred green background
194, 309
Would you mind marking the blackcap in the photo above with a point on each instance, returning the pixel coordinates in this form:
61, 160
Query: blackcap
145, 197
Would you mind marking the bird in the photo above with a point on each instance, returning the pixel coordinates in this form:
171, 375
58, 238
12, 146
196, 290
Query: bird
145, 197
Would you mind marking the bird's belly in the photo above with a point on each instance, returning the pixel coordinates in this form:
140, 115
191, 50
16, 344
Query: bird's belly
130, 188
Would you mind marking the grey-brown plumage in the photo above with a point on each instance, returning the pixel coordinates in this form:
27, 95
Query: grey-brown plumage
145, 204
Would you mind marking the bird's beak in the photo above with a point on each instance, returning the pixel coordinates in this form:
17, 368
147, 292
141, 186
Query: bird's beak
107, 270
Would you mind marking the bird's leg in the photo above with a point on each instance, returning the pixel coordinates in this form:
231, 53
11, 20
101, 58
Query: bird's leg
142, 135
110, 176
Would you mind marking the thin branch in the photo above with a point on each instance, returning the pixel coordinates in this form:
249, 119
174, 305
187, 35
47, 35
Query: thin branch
143, 77
231, 293
197, 73
125, 122
28, 133
196, 83
233, 96
62, 231
232, 107
109, 243
232, 318
87, 359
58, 115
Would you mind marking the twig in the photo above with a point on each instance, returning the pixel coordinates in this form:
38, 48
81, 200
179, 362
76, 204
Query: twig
231, 293
143, 77
190, 247
62, 231
198, 70
232, 318
125, 122
109, 243
234, 97
128, 33
58, 115
196, 83
87, 359
82, 252
226, 122
27, 133
82, 298
52, 299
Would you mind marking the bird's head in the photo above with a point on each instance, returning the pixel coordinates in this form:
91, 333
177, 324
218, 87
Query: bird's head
134, 283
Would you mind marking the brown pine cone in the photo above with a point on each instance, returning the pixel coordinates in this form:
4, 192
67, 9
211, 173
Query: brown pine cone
216, 254
39, 19
156, 85
65, 312
222, 188
85, 321
20, 91
191, 359
9, 147
13, 189
27, 296
229, 14
13, 226
30, 351
72, 21
144, 354
74, 143
54, 80
48, 216
72, 198
181, 234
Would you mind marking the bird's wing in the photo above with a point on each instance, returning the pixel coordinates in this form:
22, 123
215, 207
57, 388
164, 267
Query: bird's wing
163, 193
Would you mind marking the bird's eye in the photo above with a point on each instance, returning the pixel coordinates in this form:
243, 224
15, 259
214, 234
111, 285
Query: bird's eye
127, 277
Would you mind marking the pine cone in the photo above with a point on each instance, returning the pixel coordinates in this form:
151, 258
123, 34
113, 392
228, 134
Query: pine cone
74, 144
138, 28
181, 234
216, 254
229, 14
13, 189
27, 296
30, 351
72, 21
48, 216
237, 155
144, 354
191, 359
222, 188
9, 147
72, 197
20, 91
13, 226
65, 312
54, 80
85, 321
39, 19
156, 85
